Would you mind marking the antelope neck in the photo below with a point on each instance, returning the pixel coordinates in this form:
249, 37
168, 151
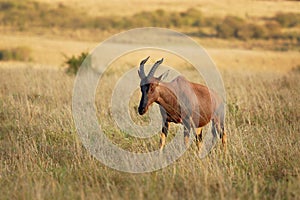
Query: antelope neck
166, 98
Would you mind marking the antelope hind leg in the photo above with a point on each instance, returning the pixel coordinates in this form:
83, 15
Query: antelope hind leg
186, 138
162, 141
224, 140
199, 138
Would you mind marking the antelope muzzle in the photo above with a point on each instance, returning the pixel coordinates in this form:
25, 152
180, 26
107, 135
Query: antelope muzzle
143, 105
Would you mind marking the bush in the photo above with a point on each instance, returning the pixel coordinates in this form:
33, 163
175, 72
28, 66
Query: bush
251, 31
229, 27
143, 19
238, 28
158, 18
25, 14
192, 17
273, 29
293, 36
211, 21
6, 5
74, 62
161, 18
288, 19
18, 54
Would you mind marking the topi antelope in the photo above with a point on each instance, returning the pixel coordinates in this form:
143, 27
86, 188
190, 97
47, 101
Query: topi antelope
181, 101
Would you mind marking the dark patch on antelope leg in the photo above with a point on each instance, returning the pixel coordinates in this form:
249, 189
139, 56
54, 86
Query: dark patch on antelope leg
163, 135
186, 132
224, 136
213, 129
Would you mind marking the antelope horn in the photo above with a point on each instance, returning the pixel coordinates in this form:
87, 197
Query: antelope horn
155, 66
142, 70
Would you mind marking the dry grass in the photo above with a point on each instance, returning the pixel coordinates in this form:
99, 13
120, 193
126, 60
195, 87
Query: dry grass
41, 156
243, 8
227, 54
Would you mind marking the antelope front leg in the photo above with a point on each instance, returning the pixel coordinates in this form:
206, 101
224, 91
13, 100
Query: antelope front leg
220, 129
186, 133
163, 135
224, 136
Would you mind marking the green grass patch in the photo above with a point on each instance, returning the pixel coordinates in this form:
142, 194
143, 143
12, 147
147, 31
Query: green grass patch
288, 20
74, 62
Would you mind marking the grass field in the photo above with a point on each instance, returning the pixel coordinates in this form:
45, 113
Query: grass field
42, 157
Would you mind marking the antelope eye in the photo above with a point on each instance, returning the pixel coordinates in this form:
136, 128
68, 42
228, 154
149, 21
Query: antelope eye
151, 89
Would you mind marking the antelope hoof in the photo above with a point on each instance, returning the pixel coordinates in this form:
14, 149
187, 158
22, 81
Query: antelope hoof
199, 144
224, 141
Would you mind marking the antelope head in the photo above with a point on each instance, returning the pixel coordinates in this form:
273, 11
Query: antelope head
149, 85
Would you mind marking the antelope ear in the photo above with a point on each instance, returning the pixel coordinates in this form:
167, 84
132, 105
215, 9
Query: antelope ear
163, 75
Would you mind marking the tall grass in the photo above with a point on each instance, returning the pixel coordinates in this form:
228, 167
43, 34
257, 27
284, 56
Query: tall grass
42, 157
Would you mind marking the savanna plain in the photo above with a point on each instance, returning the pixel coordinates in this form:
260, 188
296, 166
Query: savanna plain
255, 45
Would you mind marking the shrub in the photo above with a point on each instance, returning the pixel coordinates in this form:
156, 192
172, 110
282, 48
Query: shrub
229, 27
24, 14
238, 28
273, 29
211, 21
294, 36
139, 19
224, 31
192, 17
251, 31
176, 20
157, 18
6, 5
74, 62
161, 18
288, 19
103, 23
18, 54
